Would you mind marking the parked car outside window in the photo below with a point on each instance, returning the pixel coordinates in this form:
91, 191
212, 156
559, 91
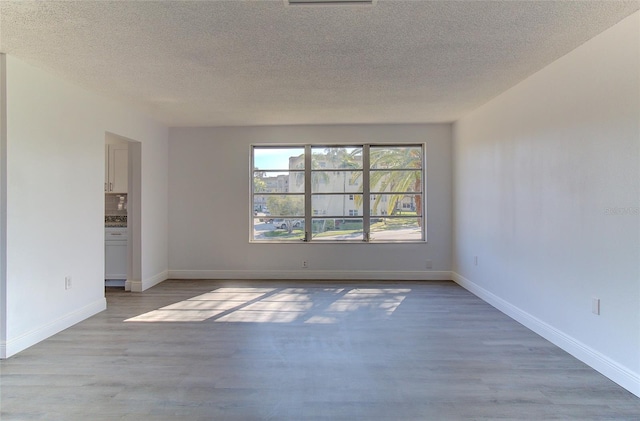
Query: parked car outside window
280, 223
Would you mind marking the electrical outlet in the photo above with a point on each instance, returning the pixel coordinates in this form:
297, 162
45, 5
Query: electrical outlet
305, 264
595, 306
429, 264
67, 282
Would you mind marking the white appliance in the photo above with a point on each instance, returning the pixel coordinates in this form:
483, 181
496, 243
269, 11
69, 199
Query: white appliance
115, 256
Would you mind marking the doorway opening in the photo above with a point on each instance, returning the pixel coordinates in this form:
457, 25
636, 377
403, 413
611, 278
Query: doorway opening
122, 189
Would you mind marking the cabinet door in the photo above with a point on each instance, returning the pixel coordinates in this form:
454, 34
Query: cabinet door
115, 260
118, 168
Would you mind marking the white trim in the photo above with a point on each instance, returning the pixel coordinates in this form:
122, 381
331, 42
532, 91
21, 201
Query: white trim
138, 285
395, 275
3, 204
24, 341
596, 360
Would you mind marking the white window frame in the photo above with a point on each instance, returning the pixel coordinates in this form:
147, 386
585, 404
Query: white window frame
366, 216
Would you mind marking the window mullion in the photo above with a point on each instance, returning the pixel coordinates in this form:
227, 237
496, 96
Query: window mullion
366, 205
307, 194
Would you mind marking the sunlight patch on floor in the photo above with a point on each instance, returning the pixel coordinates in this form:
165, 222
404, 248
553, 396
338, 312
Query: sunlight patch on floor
270, 305
203, 307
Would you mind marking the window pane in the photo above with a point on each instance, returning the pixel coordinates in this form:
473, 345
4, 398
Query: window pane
278, 229
396, 228
291, 205
336, 181
268, 158
398, 157
337, 204
278, 182
331, 157
396, 181
337, 229
396, 204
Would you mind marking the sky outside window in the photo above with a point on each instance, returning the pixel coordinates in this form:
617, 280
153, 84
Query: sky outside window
274, 158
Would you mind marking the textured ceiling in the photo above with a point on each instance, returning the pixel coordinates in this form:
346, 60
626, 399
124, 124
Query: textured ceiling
264, 62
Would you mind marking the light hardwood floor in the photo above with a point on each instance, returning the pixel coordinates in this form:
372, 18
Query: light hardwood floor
264, 350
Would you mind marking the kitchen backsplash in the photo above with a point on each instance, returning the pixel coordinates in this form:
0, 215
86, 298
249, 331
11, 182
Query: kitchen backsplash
115, 221
115, 205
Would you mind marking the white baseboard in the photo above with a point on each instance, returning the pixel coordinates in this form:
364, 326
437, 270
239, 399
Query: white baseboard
14, 345
137, 285
432, 275
596, 360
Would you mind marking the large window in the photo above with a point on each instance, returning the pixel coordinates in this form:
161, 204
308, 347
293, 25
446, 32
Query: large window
361, 193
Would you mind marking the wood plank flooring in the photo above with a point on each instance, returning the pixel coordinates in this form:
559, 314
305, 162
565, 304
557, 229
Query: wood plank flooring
265, 350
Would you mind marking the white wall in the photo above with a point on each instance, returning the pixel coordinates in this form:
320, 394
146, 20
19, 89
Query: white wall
55, 201
537, 172
210, 209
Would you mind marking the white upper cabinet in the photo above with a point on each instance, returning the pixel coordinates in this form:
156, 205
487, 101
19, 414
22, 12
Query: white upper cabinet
116, 168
